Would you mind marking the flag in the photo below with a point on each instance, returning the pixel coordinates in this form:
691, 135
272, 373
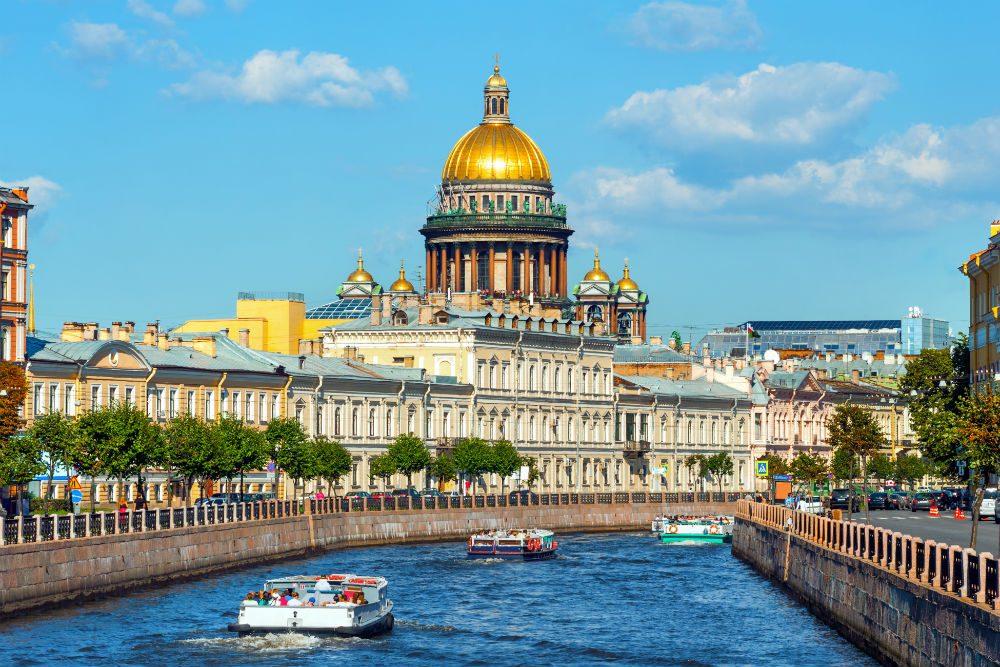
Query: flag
751, 332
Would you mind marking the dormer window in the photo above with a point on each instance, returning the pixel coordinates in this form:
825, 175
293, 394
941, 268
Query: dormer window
399, 318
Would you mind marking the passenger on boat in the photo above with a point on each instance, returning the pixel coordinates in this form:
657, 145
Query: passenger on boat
323, 585
249, 601
263, 599
311, 602
294, 601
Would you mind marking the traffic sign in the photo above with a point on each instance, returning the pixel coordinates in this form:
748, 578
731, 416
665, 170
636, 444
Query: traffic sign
889, 482
782, 478
270, 466
76, 496
74, 484
762, 467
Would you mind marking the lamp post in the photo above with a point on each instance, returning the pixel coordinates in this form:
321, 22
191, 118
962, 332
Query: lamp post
892, 424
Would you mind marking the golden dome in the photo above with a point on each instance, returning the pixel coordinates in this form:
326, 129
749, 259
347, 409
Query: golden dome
360, 275
626, 282
496, 81
496, 152
402, 284
597, 273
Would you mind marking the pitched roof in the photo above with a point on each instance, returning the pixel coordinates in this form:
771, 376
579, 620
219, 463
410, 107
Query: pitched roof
689, 388
649, 354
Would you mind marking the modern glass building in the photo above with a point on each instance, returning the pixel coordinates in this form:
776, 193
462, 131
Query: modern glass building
908, 335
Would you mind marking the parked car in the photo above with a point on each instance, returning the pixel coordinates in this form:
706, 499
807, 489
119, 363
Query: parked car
810, 504
956, 497
381, 495
359, 495
841, 498
431, 493
405, 493
222, 498
988, 508
878, 501
922, 501
899, 501
943, 499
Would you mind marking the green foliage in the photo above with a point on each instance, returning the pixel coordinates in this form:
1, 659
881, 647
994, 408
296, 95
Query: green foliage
443, 468
383, 467
678, 343
298, 459
333, 461
533, 472
934, 410
20, 459
189, 450
718, 465
809, 469
238, 447
979, 426
881, 467
58, 437
844, 465
284, 431
473, 457
853, 429
123, 439
505, 460
409, 454
12, 380
909, 469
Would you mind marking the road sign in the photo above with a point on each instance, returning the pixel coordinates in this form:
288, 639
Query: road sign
74, 484
76, 496
762, 468
782, 478
270, 466
889, 482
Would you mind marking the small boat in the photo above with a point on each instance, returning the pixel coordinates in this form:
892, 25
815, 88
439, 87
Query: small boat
706, 529
337, 604
513, 544
659, 524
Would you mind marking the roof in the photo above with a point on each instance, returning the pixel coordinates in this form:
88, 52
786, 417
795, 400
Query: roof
341, 309
787, 380
461, 318
649, 354
687, 388
8, 196
820, 325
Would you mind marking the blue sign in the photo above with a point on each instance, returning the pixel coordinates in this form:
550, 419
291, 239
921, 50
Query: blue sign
270, 466
76, 496
781, 478
762, 468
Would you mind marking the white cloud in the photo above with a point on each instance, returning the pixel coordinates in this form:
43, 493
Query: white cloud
41, 192
165, 53
319, 79
189, 7
95, 41
925, 177
145, 10
790, 106
237, 6
679, 26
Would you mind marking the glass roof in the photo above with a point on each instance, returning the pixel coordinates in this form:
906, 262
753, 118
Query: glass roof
822, 325
342, 309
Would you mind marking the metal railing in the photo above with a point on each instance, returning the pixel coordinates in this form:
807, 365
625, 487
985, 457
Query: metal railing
973, 577
51, 527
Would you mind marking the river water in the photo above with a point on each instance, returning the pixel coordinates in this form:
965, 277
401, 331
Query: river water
608, 599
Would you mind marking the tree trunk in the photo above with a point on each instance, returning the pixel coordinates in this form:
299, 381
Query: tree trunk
93, 495
980, 491
48, 491
850, 492
864, 488
242, 488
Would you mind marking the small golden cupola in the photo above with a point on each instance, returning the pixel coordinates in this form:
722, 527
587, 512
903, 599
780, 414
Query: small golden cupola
360, 275
402, 284
626, 283
597, 273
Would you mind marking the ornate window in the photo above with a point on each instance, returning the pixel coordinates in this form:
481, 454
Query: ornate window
624, 324
595, 313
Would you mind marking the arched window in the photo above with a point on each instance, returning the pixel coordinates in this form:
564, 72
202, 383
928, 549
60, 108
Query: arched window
531, 378
502, 106
372, 429
410, 420
388, 421
715, 435
493, 104
595, 313
531, 428
624, 324
690, 439
354, 422
336, 421
558, 380
545, 378
569, 380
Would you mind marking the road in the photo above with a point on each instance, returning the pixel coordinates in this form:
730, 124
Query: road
941, 529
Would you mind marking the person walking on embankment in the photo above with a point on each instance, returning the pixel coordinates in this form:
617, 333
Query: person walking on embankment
122, 513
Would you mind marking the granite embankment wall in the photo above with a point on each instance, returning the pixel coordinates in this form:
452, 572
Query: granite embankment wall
47, 573
889, 594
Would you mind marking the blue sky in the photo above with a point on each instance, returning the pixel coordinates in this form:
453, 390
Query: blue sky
753, 160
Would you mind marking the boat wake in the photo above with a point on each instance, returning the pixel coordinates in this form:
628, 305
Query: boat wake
287, 641
428, 627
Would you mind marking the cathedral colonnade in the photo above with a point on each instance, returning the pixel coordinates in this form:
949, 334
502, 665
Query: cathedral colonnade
498, 267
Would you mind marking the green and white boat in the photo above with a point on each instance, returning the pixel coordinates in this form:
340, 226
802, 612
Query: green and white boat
704, 530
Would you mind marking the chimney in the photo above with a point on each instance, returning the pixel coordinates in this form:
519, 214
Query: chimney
306, 346
115, 329
728, 369
224, 332
245, 337
104, 334
656, 340
72, 332
90, 331
302, 361
350, 353
205, 345
425, 313
497, 305
150, 334
163, 341
636, 340
129, 328
821, 373
686, 347
318, 347
671, 343
855, 376
376, 310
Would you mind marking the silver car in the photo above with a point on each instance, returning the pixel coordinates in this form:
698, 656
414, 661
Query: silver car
988, 508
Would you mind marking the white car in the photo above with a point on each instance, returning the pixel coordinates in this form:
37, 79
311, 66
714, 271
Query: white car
810, 505
988, 508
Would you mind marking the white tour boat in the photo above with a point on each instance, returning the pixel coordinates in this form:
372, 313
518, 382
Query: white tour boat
340, 604
707, 529
513, 544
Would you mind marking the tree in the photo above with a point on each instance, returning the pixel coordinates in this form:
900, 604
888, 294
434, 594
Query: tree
282, 432
505, 461
125, 441
881, 467
189, 451
854, 429
20, 461
473, 457
676, 336
333, 461
298, 459
696, 462
909, 468
383, 467
843, 465
979, 426
810, 469
12, 380
533, 472
57, 437
443, 469
776, 465
241, 448
935, 382
409, 454
719, 465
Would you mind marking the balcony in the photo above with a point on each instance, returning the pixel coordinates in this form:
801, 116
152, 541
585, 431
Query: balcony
499, 220
636, 448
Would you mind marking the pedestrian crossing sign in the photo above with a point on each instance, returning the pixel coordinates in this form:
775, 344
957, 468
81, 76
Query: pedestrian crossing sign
762, 468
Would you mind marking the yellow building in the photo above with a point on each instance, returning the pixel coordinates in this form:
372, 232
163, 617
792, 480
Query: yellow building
983, 270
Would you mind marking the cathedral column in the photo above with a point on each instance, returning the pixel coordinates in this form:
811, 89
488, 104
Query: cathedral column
525, 269
458, 268
429, 268
563, 280
474, 255
491, 272
510, 268
554, 271
443, 268
540, 263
